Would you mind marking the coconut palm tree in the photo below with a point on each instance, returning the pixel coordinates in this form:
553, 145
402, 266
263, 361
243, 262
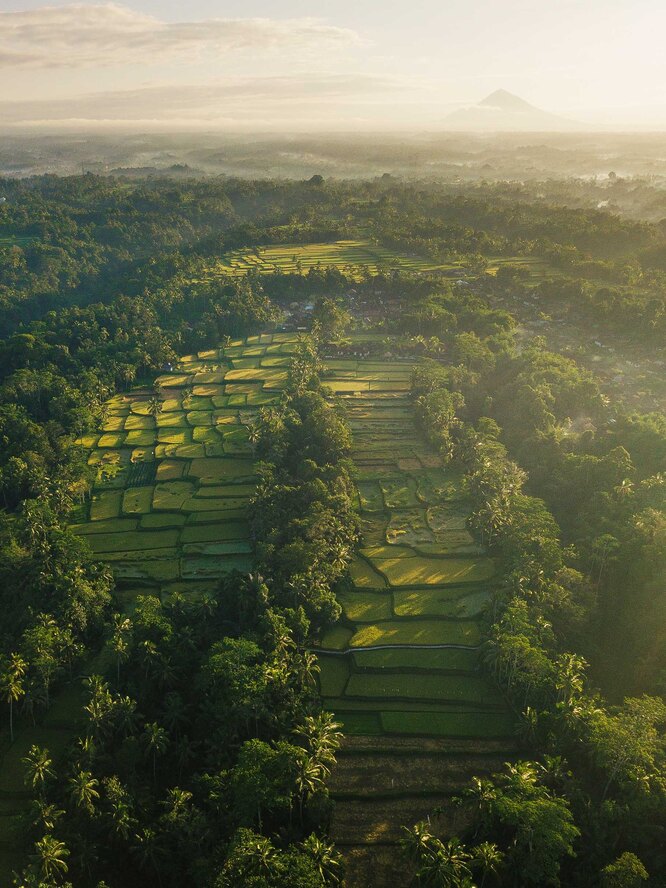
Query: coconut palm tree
51, 858
417, 840
122, 628
322, 737
38, 767
155, 405
156, 741
488, 858
149, 850
455, 859
570, 677
326, 859
12, 685
254, 435
46, 815
83, 790
258, 856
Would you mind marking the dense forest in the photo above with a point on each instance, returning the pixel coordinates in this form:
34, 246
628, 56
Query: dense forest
203, 754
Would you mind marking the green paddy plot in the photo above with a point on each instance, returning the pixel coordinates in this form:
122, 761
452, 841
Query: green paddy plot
416, 632
404, 657
169, 508
424, 571
467, 725
468, 689
350, 255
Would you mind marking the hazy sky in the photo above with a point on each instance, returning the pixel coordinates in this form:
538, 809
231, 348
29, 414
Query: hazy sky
342, 64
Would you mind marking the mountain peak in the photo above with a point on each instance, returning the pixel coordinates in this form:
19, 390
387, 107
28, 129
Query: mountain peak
506, 101
502, 111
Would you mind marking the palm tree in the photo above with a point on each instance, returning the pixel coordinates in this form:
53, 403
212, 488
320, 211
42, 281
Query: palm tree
156, 742
529, 725
125, 716
12, 686
483, 792
150, 851
625, 489
435, 869
326, 859
120, 804
322, 739
83, 790
259, 855
122, 627
46, 815
488, 858
455, 859
418, 840
51, 858
38, 767
309, 778
254, 435
188, 393
570, 677
155, 405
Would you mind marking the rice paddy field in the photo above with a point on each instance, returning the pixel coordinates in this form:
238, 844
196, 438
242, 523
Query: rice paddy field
356, 257
169, 509
404, 659
401, 669
292, 258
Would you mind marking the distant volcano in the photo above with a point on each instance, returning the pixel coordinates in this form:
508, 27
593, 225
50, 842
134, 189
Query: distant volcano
501, 111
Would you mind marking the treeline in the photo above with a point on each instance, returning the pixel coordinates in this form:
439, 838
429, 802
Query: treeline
303, 514
593, 802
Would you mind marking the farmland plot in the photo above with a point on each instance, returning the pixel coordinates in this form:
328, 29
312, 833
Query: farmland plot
169, 508
407, 646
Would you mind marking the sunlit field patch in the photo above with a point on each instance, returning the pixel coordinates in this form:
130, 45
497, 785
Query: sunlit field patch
416, 632
349, 255
366, 607
424, 571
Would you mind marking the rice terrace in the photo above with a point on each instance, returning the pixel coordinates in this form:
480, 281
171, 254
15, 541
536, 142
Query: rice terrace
359, 257
177, 469
401, 670
291, 258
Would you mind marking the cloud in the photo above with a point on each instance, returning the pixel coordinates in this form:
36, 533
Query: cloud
245, 101
82, 35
